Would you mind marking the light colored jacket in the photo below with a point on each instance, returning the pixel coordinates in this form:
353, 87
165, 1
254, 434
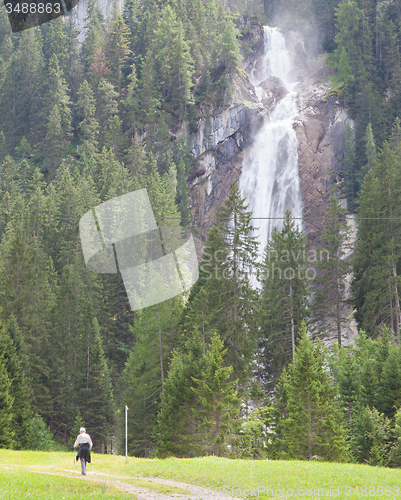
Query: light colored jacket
83, 438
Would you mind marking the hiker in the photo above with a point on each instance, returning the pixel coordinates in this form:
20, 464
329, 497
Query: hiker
84, 442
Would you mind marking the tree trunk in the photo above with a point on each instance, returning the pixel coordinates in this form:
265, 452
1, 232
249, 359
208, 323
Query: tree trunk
338, 315
235, 304
397, 300
160, 351
203, 329
310, 428
87, 369
217, 427
292, 324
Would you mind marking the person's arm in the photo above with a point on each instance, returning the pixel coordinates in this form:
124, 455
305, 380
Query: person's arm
90, 442
76, 442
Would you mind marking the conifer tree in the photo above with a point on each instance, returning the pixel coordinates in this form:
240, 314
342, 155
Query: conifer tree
312, 425
218, 398
117, 45
176, 421
3, 149
54, 138
230, 50
136, 161
370, 151
6, 399
206, 292
14, 356
55, 43
344, 69
285, 280
58, 127
97, 391
156, 337
99, 68
28, 293
131, 101
162, 190
111, 177
390, 383
21, 98
234, 319
330, 298
223, 298
94, 34
150, 95
376, 281
110, 123
6, 407
73, 64
373, 438
173, 58
86, 107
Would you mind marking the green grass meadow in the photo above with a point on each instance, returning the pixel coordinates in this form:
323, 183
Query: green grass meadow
21, 476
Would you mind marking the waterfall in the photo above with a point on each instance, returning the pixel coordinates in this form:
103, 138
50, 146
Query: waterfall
269, 180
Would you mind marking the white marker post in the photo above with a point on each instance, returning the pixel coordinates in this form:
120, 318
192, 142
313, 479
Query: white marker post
126, 433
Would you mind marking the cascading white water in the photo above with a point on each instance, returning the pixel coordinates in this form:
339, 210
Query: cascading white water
269, 180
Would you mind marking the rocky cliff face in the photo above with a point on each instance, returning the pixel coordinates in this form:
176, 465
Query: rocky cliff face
320, 128
221, 144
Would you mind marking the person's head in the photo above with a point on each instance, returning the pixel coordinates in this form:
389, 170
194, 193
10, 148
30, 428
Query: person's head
82, 430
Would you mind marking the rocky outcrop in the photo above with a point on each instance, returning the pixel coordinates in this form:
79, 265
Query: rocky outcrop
320, 128
216, 128
219, 145
273, 91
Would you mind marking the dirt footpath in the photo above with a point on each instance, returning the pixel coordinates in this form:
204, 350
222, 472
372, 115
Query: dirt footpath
140, 493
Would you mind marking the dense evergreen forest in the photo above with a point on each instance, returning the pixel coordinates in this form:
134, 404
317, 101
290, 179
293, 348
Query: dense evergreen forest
231, 369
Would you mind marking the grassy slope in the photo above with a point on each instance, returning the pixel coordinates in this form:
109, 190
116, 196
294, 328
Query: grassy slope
217, 473
21, 484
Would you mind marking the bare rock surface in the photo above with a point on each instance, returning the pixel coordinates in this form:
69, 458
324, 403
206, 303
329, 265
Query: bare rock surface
320, 128
273, 91
219, 145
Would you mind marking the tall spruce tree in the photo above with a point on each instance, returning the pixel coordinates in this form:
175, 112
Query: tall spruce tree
96, 390
390, 383
218, 399
14, 355
176, 422
117, 48
235, 316
330, 294
285, 283
376, 261
312, 423
7, 433
155, 338
58, 126
86, 107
